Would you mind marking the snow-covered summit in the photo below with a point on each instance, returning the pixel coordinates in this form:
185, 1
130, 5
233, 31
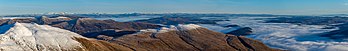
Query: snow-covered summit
31, 36
188, 26
180, 27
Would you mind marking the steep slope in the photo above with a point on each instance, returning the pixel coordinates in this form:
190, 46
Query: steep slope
26, 37
189, 38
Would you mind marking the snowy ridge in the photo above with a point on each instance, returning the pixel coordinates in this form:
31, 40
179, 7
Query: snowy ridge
179, 27
188, 26
30, 36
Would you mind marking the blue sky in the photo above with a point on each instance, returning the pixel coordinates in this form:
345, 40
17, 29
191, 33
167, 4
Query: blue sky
301, 7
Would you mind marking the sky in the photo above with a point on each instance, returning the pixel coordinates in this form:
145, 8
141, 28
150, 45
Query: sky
300, 7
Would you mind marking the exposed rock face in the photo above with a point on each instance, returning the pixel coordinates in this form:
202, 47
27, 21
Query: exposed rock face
182, 38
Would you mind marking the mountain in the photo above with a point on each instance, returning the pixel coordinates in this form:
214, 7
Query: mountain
86, 26
178, 20
86, 34
90, 27
189, 38
31, 36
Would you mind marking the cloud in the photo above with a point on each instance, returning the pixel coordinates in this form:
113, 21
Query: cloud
345, 4
289, 36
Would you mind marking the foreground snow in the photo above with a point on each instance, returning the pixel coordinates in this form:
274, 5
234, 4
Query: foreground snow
26, 36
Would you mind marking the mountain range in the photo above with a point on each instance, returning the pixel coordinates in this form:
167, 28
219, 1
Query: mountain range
86, 34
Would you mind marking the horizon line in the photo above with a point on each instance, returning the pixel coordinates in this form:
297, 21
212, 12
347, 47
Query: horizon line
160, 13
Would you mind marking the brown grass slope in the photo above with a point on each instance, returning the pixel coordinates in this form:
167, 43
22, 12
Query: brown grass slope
99, 45
199, 39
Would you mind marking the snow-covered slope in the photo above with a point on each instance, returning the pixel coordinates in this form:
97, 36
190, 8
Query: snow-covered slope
27, 36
